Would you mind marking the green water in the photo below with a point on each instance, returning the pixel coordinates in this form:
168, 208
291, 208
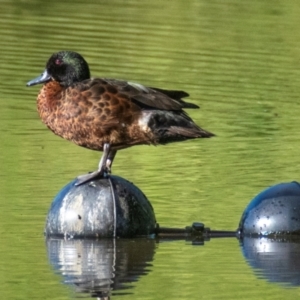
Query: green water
240, 61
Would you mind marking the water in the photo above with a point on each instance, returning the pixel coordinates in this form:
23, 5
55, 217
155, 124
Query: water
239, 62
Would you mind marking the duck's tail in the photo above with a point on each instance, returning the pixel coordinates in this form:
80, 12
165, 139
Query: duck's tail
172, 126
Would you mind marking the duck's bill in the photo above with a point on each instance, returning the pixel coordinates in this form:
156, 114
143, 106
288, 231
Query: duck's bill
44, 77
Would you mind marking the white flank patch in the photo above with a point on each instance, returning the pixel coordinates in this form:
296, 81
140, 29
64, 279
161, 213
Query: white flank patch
144, 120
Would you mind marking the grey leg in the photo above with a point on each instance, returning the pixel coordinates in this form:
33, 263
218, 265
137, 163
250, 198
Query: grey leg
102, 168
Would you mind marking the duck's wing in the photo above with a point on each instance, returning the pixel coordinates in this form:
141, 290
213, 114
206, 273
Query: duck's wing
152, 98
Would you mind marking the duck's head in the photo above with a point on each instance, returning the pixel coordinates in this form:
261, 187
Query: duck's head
65, 67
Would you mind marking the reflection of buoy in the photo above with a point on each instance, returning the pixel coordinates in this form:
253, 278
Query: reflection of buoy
277, 260
275, 211
106, 207
99, 267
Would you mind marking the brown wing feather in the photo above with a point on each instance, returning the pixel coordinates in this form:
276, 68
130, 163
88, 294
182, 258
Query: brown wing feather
152, 98
107, 104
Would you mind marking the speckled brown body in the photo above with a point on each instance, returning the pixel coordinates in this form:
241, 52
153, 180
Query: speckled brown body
92, 113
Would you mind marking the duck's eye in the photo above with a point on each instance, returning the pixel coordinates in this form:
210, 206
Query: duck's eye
58, 61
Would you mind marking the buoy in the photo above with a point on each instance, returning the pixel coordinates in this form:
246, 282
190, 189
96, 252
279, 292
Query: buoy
273, 212
106, 207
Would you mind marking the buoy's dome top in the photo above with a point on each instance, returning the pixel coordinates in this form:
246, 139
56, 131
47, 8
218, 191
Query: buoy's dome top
107, 207
275, 211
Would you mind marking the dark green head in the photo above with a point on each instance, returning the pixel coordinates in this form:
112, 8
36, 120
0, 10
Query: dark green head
65, 67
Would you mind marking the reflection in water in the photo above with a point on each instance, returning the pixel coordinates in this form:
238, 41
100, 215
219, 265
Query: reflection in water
98, 267
277, 260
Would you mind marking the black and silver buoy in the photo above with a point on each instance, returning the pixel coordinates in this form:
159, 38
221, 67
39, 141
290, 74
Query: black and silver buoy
106, 207
273, 212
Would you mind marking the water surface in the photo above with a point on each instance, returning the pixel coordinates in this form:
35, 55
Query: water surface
240, 64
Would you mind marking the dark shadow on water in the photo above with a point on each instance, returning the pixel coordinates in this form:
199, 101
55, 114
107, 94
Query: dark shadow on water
276, 260
101, 268
98, 267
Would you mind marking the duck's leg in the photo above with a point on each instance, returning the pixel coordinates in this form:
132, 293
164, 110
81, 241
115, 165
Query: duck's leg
110, 158
104, 166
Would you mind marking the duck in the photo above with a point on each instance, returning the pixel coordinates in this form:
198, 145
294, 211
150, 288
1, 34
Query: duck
108, 114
